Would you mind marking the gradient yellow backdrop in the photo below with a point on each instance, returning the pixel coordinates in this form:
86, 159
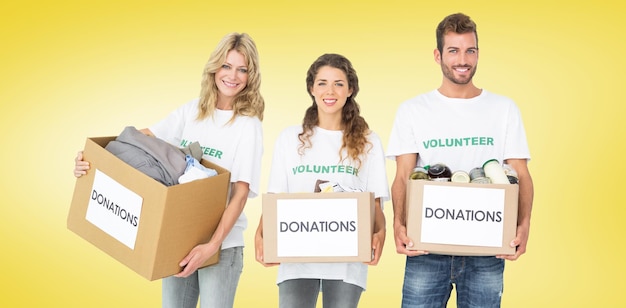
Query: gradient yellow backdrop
76, 69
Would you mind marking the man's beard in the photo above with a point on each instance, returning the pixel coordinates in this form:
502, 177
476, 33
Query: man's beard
449, 74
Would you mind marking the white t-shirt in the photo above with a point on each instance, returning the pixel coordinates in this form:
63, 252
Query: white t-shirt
461, 133
235, 146
292, 173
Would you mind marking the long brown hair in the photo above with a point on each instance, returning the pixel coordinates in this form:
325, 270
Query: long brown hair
355, 128
249, 101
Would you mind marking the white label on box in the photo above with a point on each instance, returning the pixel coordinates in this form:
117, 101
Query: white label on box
462, 216
317, 227
114, 209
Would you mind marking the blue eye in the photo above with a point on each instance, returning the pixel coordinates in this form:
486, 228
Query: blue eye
225, 66
243, 70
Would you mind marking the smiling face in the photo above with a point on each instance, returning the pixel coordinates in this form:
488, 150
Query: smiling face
330, 90
458, 58
231, 78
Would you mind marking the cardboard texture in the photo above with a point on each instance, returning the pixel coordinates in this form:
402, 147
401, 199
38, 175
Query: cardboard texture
364, 227
417, 213
173, 219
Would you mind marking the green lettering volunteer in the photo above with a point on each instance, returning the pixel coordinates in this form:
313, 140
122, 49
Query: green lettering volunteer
325, 169
458, 142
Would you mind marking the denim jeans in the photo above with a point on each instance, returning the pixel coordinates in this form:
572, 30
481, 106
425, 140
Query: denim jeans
215, 284
303, 293
428, 281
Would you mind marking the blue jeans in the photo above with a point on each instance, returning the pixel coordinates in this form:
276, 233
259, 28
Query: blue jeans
215, 284
428, 281
303, 293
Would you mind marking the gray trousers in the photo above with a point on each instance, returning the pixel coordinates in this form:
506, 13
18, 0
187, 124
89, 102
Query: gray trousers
303, 293
215, 284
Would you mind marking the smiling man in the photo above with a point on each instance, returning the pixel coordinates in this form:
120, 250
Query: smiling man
437, 127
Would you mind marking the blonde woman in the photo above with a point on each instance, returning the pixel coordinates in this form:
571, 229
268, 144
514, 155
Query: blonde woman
226, 121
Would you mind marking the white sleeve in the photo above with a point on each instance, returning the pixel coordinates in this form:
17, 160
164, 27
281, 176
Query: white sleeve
377, 175
248, 155
278, 182
401, 139
171, 127
516, 144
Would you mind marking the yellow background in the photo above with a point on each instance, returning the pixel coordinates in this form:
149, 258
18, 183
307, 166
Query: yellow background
76, 69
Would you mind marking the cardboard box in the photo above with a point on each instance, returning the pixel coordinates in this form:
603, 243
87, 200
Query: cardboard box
462, 218
318, 227
142, 223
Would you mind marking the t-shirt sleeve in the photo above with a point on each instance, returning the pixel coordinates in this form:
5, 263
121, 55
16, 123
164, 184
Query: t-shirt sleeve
377, 175
247, 161
516, 145
401, 139
278, 177
171, 127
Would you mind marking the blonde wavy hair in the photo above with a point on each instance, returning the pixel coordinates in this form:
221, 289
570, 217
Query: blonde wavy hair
355, 128
249, 101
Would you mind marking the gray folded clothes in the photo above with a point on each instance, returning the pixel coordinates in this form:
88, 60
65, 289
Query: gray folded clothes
194, 149
152, 156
